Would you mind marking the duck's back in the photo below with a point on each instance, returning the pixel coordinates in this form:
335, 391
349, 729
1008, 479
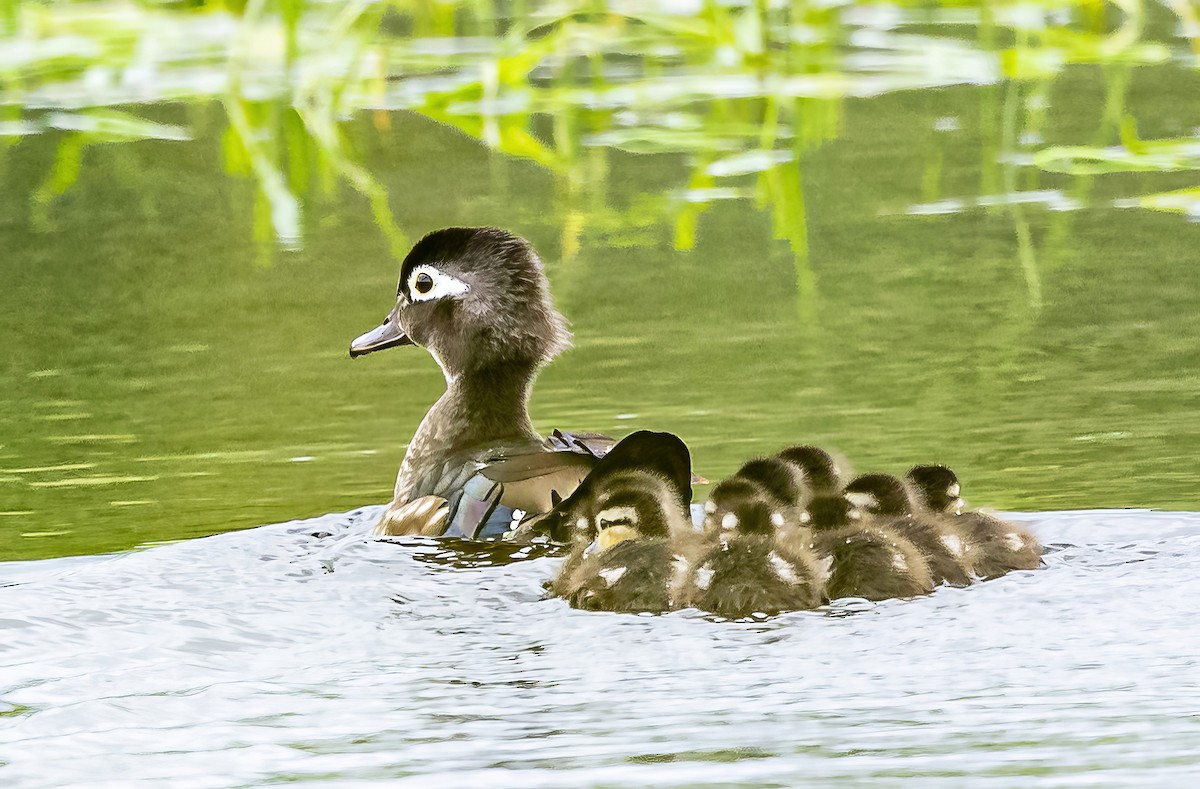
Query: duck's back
632, 577
485, 492
744, 578
998, 546
946, 552
872, 563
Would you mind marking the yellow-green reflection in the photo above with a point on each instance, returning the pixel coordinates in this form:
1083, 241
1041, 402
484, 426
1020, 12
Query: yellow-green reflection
912, 231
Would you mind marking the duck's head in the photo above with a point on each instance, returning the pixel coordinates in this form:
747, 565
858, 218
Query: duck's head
936, 487
474, 297
782, 480
880, 494
831, 511
820, 470
734, 506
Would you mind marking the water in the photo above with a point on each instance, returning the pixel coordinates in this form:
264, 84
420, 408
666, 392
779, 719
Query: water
961, 232
900, 232
272, 655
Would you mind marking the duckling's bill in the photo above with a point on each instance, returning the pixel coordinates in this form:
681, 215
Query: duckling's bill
615, 535
387, 335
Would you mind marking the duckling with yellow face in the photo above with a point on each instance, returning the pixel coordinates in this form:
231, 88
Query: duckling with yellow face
746, 570
946, 549
629, 526
998, 547
868, 560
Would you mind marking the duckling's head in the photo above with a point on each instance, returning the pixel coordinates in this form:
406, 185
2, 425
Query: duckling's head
476, 298
831, 511
732, 500
781, 479
880, 494
648, 464
633, 511
820, 470
936, 487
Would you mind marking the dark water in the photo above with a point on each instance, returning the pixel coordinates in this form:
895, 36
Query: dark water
956, 232
272, 655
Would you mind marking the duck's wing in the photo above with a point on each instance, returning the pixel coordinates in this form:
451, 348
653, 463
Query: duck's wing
481, 495
503, 492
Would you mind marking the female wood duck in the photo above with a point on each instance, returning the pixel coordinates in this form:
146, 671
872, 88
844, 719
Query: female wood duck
999, 547
629, 528
868, 559
945, 547
745, 570
477, 300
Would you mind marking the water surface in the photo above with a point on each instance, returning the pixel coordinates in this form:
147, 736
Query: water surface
307, 652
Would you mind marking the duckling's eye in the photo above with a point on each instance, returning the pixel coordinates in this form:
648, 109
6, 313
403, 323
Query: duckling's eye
426, 283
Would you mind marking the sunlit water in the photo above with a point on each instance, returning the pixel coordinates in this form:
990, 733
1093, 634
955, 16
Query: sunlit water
309, 652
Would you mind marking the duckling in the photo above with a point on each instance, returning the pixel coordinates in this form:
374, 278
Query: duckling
628, 524
998, 547
946, 550
782, 480
747, 571
632, 565
820, 471
868, 560
477, 299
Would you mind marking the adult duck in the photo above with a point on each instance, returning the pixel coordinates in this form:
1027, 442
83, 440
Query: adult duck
477, 299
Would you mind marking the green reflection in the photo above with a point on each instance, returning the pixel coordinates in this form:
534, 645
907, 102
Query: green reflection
910, 231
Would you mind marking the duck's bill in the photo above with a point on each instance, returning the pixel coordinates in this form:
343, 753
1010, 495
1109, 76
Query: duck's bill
389, 335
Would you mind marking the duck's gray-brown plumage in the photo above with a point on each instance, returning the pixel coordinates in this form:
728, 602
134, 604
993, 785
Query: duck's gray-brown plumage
477, 300
997, 546
945, 548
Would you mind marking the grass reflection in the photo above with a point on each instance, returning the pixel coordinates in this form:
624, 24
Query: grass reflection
753, 82
886, 226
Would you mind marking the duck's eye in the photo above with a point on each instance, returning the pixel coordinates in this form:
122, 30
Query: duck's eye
426, 283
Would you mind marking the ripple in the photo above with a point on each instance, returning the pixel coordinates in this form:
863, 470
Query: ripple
308, 651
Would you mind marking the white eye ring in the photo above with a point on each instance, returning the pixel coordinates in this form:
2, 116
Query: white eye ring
443, 284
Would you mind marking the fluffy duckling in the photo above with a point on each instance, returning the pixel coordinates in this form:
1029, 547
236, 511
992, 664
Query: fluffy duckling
633, 566
819, 470
626, 522
747, 571
997, 546
868, 560
945, 548
782, 480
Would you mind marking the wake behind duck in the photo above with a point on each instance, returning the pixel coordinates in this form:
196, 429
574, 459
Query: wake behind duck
782, 534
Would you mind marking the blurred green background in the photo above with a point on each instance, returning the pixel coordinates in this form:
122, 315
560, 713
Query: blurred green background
911, 231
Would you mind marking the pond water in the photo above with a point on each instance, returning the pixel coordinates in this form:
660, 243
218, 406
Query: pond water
310, 652
961, 232
907, 233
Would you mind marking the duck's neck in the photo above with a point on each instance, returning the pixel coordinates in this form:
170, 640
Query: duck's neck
484, 406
